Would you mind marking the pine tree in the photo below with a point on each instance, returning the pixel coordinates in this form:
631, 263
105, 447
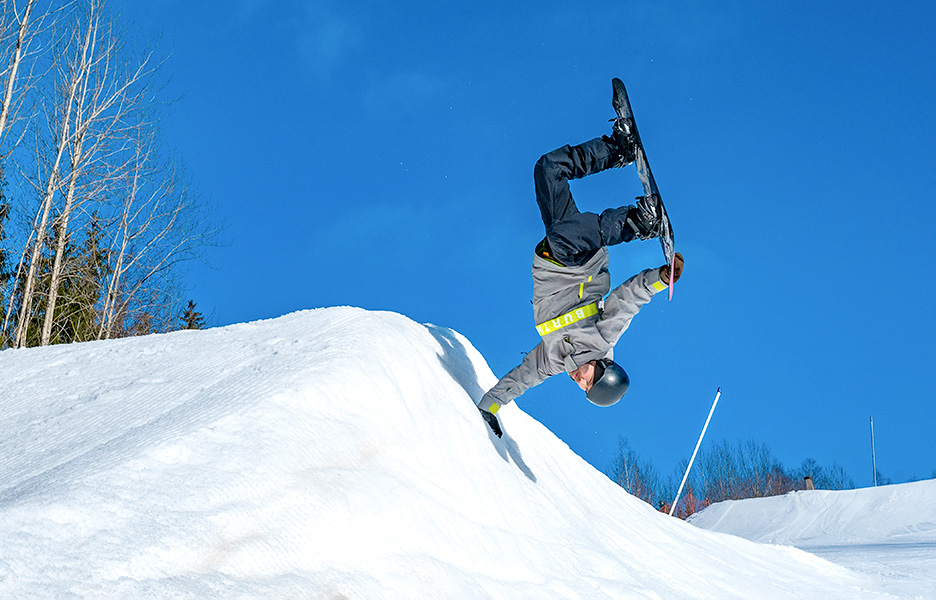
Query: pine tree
192, 319
76, 313
82, 287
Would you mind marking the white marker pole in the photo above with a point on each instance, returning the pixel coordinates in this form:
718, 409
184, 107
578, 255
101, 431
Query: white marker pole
694, 452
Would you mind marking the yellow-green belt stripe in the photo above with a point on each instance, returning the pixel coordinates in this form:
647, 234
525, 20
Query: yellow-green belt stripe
573, 316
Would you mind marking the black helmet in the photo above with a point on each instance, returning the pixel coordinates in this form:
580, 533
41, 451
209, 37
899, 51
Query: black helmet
611, 383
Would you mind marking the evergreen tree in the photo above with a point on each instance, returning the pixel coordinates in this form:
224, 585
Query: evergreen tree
76, 312
192, 319
80, 296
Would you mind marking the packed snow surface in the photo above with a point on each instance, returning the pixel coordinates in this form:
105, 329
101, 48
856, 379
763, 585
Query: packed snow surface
889, 531
334, 453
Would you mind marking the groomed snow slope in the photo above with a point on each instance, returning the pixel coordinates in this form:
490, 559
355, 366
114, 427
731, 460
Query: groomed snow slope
887, 531
334, 453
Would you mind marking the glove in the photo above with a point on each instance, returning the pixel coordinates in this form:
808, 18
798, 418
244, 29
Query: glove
488, 409
678, 263
491, 420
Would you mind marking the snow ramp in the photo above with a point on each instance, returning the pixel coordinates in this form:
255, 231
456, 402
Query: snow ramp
335, 453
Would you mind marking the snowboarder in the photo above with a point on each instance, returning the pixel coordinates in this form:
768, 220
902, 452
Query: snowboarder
578, 325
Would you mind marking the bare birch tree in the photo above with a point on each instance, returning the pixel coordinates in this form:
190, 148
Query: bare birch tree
102, 114
77, 48
157, 227
19, 29
16, 57
20, 26
111, 216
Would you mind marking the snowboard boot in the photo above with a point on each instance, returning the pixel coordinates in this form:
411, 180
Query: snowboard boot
622, 132
646, 219
622, 138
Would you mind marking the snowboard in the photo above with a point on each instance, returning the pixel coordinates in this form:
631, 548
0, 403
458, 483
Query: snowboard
651, 193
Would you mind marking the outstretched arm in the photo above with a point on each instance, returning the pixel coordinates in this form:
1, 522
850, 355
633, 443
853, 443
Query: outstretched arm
535, 368
626, 300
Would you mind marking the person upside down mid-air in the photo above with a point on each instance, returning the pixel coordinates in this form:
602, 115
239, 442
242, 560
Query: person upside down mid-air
578, 320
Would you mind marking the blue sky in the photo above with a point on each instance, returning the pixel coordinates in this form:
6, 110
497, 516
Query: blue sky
380, 154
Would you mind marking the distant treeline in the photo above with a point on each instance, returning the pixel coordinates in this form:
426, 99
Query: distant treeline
724, 471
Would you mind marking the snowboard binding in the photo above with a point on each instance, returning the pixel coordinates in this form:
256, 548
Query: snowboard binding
648, 221
622, 134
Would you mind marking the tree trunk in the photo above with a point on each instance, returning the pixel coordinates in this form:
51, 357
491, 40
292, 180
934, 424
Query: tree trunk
56, 275
15, 61
52, 185
29, 287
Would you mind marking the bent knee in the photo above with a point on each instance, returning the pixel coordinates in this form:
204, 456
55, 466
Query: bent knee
550, 165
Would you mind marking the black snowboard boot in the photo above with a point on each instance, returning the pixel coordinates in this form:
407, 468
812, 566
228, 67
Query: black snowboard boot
622, 132
623, 138
645, 219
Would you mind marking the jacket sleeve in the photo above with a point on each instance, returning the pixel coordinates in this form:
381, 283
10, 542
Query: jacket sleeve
536, 367
625, 301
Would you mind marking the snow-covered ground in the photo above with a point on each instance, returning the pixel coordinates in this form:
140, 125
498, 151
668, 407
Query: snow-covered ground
336, 453
888, 531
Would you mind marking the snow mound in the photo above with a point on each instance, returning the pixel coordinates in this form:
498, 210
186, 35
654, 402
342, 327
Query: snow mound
334, 453
887, 531
894, 513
